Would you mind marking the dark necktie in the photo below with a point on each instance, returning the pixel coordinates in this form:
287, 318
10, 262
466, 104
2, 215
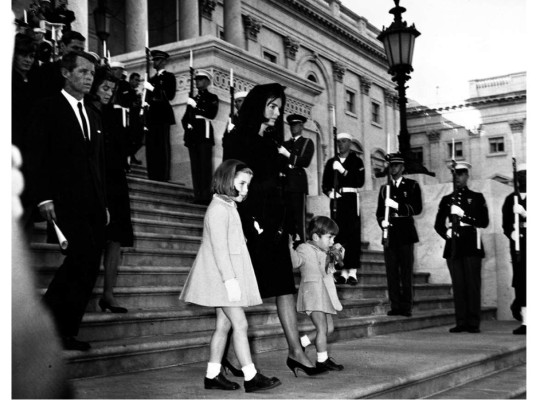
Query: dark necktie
84, 122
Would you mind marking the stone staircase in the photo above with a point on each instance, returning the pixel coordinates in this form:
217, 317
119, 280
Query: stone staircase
160, 331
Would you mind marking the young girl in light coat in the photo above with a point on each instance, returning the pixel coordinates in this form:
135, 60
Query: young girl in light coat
222, 276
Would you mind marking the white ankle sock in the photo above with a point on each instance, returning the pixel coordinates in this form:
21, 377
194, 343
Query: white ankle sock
353, 273
322, 356
523, 315
344, 273
213, 370
305, 341
249, 372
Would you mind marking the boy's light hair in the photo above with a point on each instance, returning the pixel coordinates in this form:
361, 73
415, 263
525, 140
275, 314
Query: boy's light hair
321, 225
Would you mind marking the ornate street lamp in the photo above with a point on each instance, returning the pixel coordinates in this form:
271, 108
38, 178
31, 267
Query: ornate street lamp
399, 41
102, 23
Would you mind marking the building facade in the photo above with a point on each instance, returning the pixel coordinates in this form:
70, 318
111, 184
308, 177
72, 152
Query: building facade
487, 129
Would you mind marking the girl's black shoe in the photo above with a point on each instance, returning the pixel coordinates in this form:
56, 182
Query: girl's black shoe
220, 382
228, 367
310, 371
261, 382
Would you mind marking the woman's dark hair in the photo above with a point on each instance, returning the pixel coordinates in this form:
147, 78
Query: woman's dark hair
321, 225
223, 179
251, 114
102, 73
25, 44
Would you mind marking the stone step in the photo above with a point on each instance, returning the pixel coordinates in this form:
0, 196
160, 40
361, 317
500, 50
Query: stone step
99, 326
48, 255
159, 190
149, 352
148, 203
147, 213
508, 383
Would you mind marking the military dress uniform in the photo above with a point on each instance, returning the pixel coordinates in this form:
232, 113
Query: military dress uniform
347, 217
398, 250
295, 186
160, 117
464, 261
519, 260
199, 138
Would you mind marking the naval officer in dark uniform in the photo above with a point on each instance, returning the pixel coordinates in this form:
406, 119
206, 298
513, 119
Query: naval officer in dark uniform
519, 258
404, 201
160, 117
199, 135
299, 152
460, 216
350, 176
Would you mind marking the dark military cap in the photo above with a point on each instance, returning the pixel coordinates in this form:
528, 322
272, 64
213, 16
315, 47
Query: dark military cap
294, 118
395, 158
159, 54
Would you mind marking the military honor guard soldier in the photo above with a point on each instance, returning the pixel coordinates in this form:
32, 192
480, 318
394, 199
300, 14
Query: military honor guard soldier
230, 133
405, 201
519, 257
199, 135
160, 117
299, 152
460, 216
350, 176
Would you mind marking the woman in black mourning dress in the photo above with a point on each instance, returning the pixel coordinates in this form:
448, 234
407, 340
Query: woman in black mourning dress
258, 136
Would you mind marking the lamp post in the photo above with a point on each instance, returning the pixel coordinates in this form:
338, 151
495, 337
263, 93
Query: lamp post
399, 41
102, 24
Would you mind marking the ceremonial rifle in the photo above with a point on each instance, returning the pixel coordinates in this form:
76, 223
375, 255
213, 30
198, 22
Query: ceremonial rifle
454, 218
146, 82
516, 202
385, 233
335, 177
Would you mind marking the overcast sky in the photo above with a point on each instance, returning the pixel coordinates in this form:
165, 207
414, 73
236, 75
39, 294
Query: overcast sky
460, 40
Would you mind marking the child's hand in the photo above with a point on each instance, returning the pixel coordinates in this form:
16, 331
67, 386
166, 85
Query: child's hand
233, 289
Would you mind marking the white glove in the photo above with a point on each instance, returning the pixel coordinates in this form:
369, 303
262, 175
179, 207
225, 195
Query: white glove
189, 126
230, 126
385, 224
233, 289
391, 203
258, 227
283, 151
337, 166
144, 104
519, 209
449, 233
514, 235
331, 195
191, 102
454, 209
148, 86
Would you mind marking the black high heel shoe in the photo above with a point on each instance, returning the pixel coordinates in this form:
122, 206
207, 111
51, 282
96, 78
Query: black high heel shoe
310, 371
104, 305
226, 364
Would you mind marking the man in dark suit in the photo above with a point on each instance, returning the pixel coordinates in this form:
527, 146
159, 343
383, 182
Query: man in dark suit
404, 201
299, 151
199, 135
160, 117
350, 172
65, 169
510, 209
459, 218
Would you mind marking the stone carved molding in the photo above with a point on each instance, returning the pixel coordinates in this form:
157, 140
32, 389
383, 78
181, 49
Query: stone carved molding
365, 84
221, 80
339, 69
433, 136
291, 47
252, 27
390, 97
517, 125
207, 7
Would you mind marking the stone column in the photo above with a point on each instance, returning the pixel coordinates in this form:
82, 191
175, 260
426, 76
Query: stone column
232, 22
188, 19
136, 18
81, 12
